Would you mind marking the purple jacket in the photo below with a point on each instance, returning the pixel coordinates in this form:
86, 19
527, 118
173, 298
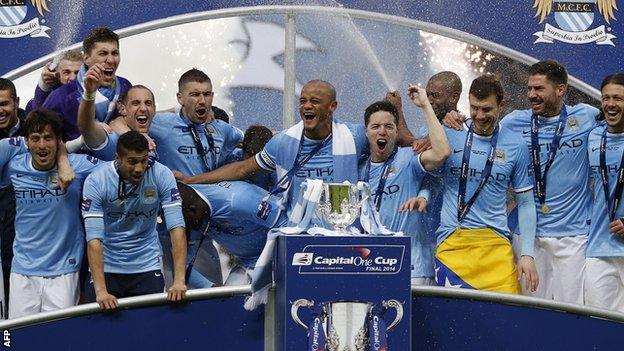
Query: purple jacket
65, 101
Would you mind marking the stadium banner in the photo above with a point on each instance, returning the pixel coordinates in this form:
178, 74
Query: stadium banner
209, 324
583, 34
351, 291
444, 322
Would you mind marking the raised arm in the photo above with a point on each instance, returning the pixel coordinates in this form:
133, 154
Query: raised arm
404, 135
92, 132
233, 171
440, 151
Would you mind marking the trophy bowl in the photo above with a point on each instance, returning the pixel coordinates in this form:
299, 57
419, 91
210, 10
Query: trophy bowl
346, 323
339, 205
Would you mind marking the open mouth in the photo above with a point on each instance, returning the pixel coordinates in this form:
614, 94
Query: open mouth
3, 118
382, 143
612, 113
308, 116
108, 72
42, 155
201, 111
142, 121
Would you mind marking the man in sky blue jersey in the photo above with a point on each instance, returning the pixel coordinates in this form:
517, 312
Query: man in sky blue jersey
395, 175
193, 141
137, 109
557, 136
604, 265
49, 237
318, 147
560, 133
101, 46
474, 248
238, 217
121, 201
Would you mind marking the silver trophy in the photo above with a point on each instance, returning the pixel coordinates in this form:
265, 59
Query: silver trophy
340, 204
345, 322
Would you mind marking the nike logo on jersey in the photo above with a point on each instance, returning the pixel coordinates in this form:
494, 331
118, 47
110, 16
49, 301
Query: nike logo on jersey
19, 175
595, 148
457, 151
526, 131
157, 274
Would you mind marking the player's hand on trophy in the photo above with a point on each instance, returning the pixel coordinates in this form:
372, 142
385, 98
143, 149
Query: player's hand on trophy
421, 145
418, 95
454, 120
106, 301
526, 268
414, 204
617, 227
177, 291
394, 97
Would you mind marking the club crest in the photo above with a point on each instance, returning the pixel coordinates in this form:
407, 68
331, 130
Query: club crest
12, 16
573, 19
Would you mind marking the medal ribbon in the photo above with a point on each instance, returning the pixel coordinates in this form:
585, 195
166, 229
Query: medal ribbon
462, 207
612, 202
284, 182
200, 147
540, 179
385, 172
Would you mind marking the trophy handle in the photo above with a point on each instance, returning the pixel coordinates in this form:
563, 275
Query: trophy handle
399, 311
295, 307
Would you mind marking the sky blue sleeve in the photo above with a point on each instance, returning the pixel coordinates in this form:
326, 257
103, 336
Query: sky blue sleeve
171, 201
91, 208
11, 147
527, 221
247, 204
522, 173
267, 158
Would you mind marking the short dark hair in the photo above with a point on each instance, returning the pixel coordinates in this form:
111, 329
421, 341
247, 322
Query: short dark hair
131, 140
192, 75
383, 105
552, 69
485, 86
124, 97
219, 113
6, 84
617, 78
39, 119
329, 86
98, 35
450, 79
256, 136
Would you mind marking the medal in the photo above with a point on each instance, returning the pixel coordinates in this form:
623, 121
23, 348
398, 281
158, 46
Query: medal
545, 209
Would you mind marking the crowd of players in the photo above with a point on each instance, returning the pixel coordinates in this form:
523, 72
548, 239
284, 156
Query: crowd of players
93, 167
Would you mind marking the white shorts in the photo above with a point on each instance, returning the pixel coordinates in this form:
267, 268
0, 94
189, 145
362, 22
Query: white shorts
32, 294
560, 264
604, 283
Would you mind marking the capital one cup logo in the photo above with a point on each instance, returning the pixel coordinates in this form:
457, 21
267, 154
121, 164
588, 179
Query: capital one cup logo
12, 16
574, 19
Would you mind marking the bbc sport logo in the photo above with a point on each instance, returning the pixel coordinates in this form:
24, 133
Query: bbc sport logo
302, 259
13, 13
